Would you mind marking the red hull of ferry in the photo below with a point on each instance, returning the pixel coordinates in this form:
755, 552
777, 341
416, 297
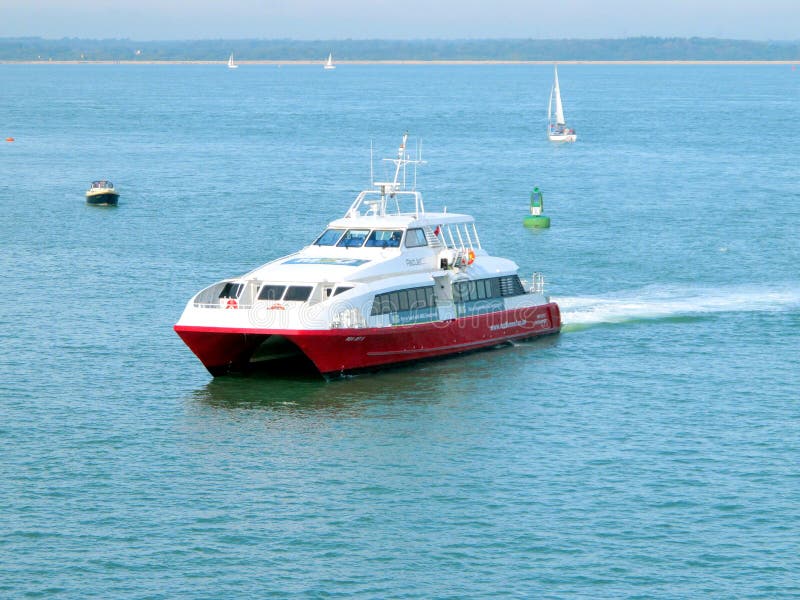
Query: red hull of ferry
336, 351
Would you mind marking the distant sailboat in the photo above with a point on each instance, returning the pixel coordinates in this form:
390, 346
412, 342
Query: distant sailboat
329, 64
231, 64
557, 130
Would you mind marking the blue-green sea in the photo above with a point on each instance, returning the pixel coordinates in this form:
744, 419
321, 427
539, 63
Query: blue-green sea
650, 450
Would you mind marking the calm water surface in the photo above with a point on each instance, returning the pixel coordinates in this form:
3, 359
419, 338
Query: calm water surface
650, 450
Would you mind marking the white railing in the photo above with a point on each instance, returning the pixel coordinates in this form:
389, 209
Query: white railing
349, 318
536, 284
383, 202
461, 236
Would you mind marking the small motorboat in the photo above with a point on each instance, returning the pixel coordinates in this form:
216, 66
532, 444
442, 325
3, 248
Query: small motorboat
102, 193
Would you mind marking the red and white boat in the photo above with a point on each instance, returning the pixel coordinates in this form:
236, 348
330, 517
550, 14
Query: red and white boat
388, 283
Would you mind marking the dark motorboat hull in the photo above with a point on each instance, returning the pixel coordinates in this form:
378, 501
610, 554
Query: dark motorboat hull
106, 199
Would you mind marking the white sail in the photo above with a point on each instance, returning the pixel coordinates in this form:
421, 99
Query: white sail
231, 64
559, 108
329, 64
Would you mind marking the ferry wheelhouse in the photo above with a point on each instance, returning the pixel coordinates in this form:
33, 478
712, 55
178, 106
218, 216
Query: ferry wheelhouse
388, 283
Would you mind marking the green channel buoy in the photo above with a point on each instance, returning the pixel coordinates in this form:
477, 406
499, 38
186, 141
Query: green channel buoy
536, 218
536, 221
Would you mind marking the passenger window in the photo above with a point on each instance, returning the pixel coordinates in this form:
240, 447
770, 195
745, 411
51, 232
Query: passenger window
354, 238
403, 300
271, 292
415, 238
298, 293
329, 237
413, 298
340, 290
422, 300
381, 238
231, 290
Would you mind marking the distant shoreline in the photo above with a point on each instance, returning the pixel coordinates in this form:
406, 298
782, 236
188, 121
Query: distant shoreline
488, 51
400, 62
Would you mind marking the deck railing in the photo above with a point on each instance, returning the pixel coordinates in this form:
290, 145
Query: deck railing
349, 318
536, 284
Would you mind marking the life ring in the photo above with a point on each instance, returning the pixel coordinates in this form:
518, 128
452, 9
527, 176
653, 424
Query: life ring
470, 256
232, 303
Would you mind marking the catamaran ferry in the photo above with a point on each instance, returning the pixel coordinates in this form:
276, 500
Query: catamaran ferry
388, 283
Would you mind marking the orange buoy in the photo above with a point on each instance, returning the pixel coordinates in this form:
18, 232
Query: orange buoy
9, 139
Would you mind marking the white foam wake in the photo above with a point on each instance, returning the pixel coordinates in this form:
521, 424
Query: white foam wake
660, 302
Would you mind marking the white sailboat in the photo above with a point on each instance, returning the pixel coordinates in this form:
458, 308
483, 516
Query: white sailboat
231, 64
557, 130
329, 63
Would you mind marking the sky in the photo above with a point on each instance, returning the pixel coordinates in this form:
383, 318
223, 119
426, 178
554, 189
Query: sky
408, 19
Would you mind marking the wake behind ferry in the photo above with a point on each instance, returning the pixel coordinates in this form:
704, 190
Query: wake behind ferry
388, 283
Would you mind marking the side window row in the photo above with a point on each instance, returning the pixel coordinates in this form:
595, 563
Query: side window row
484, 289
402, 300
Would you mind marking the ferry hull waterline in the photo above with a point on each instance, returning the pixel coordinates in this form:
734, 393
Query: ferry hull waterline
337, 352
387, 284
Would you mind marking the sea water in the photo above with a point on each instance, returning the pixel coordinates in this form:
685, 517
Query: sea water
649, 450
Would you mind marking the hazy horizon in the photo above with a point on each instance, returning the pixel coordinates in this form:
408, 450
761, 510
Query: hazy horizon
153, 20
342, 39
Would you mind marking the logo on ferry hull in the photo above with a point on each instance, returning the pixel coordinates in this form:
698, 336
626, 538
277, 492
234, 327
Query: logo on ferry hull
507, 325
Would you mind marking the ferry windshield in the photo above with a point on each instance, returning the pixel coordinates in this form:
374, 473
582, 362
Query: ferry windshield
354, 238
329, 237
271, 292
381, 238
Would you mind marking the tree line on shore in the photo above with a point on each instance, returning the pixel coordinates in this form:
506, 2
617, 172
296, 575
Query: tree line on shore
628, 49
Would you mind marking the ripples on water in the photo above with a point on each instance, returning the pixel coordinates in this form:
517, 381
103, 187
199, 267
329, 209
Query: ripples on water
649, 450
